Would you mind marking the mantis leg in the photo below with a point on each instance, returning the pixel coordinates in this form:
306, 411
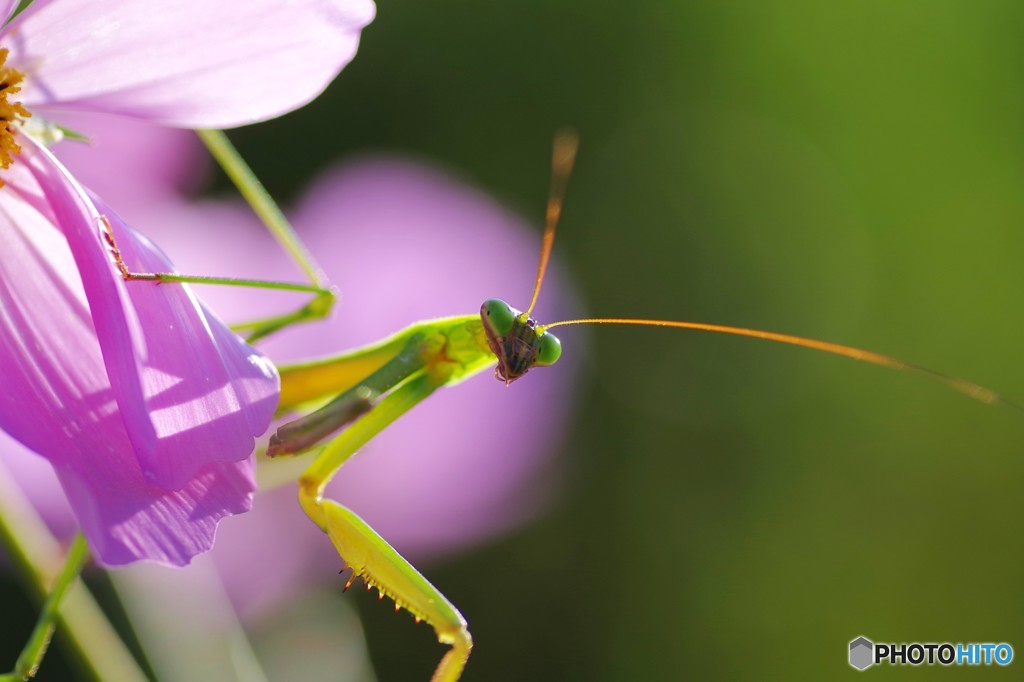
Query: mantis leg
351, 404
366, 552
324, 296
32, 655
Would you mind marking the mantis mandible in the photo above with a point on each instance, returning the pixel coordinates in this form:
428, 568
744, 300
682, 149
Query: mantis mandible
377, 384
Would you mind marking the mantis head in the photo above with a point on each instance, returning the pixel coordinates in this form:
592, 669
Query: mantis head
516, 340
514, 337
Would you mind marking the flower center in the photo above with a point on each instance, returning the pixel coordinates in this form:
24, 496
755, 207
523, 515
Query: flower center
11, 113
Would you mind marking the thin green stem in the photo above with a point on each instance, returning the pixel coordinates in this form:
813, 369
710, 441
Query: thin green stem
262, 203
32, 655
91, 639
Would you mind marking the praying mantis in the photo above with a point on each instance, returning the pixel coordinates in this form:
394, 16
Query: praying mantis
377, 384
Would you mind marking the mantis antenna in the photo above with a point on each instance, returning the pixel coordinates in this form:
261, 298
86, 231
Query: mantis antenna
968, 388
563, 155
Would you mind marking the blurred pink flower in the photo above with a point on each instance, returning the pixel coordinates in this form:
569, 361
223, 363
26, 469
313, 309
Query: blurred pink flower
145, 404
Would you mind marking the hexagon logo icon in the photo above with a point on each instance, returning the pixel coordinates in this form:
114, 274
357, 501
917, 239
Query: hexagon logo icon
862, 652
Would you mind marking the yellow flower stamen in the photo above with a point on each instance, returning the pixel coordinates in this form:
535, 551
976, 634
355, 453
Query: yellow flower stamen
11, 113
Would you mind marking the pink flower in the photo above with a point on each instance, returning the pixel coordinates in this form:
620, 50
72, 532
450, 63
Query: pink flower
142, 400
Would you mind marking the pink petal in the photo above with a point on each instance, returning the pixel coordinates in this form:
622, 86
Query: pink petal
149, 522
57, 400
189, 63
56, 384
64, 204
190, 391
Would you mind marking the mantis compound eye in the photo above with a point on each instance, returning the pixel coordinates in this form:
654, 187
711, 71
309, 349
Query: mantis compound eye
498, 316
549, 351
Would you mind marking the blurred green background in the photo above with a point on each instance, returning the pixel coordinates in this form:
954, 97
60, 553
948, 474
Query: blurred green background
852, 171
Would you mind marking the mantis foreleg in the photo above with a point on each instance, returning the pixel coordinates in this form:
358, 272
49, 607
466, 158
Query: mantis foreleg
320, 305
379, 384
367, 553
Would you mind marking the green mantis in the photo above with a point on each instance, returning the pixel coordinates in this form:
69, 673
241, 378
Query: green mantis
377, 384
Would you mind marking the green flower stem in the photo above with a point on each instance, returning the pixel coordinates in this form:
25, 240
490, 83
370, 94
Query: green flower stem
324, 295
95, 645
32, 655
262, 204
